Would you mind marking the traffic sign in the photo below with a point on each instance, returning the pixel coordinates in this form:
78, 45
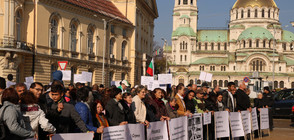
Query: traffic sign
246, 79
62, 64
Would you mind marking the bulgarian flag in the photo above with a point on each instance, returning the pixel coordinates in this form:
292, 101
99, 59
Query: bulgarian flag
150, 70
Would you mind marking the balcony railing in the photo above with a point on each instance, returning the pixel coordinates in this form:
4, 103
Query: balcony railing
14, 44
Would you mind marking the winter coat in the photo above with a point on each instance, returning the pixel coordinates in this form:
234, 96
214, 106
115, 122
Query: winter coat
190, 104
85, 115
159, 108
139, 109
129, 113
13, 119
114, 114
243, 101
33, 116
172, 112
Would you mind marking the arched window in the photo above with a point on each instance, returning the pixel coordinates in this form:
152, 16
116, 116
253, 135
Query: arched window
244, 43
123, 50
264, 43
262, 13
250, 43
269, 13
185, 57
90, 40
181, 58
53, 33
199, 45
218, 46
248, 13
191, 82
123, 76
198, 82
111, 45
181, 46
179, 2
225, 46
185, 2
214, 83
205, 46
18, 20
226, 83
281, 84
257, 65
186, 46
257, 43
236, 83
291, 47
111, 74
220, 83
255, 13
276, 84
269, 44
192, 2
212, 46
242, 14
284, 46
73, 37
237, 14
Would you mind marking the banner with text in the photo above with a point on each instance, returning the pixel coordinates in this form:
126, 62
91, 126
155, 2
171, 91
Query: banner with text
236, 124
246, 121
73, 136
178, 128
221, 124
206, 118
114, 132
135, 132
157, 131
195, 127
254, 119
264, 121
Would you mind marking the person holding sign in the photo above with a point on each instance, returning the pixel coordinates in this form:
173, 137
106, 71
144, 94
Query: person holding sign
99, 120
268, 98
139, 107
158, 106
258, 103
180, 101
229, 98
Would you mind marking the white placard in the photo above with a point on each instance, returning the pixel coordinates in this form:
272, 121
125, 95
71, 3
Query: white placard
116, 83
236, 124
254, 119
30, 79
246, 121
135, 132
79, 78
9, 83
157, 130
206, 118
147, 81
66, 75
221, 124
73, 136
28, 85
264, 120
87, 76
202, 75
195, 127
155, 85
165, 78
178, 128
114, 132
208, 77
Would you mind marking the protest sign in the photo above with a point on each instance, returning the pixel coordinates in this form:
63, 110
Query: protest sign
178, 128
165, 78
206, 118
9, 83
155, 85
157, 130
264, 121
236, 124
73, 136
79, 78
204, 76
114, 132
135, 132
30, 79
87, 76
246, 121
147, 81
221, 124
254, 119
195, 127
66, 75
115, 83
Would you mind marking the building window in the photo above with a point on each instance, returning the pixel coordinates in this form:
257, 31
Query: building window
90, 40
112, 29
258, 65
237, 14
212, 46
212, 68
18, 20
179, 2
206, 46
214, 83
199, 45
280, 68
250, 43
264, 43
218, 46
226, 83
123, 49
111, 45
248, 13
220, 83
284, 46
281, 84
242, 13
262, 13
225, 46
53, 33
191, 2
257, 43
73, 37
181, 58
291, 47
255, 13
123, 76
269, 44
223, 68
276, 84
111, 74
185, 57
269, 13
124, 33
185, 2
244, 44
201, 68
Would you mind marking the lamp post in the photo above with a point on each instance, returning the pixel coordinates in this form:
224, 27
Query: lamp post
104, 48
274, 46
165, 44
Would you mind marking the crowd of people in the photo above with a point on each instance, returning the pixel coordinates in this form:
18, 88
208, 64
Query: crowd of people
42, 111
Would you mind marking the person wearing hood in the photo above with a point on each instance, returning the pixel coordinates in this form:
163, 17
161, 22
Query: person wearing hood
11, 116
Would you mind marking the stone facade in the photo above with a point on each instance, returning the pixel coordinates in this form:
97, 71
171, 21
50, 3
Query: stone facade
254, 42
36, 35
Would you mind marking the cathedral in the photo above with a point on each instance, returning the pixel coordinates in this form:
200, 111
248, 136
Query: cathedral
254, 45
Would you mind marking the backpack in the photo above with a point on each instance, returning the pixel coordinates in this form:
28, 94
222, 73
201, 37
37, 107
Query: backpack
3, 128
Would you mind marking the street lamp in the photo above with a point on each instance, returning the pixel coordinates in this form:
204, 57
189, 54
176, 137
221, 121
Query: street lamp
165, 45
274, 46
104, 47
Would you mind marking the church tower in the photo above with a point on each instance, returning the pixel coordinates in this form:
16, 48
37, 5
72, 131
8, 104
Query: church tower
184, 34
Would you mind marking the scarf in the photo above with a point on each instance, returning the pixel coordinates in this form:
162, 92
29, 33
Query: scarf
159, 102
102, 120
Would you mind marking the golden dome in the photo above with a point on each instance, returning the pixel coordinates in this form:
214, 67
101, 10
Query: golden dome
253, 3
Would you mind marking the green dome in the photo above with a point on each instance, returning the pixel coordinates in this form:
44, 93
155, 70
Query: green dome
184, 31
287, 36
256, 33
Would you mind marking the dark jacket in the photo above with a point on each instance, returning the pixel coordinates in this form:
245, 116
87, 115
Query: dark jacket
228, 101
190, 104
258, 103
85, 115
67, 120
129, 113
158, 108
172, 112
114, 114
268, 99
242, 99
13, 120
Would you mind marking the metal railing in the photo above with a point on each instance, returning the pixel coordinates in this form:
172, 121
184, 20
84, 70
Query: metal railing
15, 44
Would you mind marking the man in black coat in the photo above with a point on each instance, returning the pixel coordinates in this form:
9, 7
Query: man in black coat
229, 97
242, 99
268, 99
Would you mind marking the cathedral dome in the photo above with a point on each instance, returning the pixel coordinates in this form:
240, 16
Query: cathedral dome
256, 33
253, 3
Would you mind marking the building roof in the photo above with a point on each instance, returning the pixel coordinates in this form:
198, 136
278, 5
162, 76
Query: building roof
184, 16
104, 7
287, 36
212, 60
256, 33
289, 61
184, 31
253, 3
213, 35
193, 14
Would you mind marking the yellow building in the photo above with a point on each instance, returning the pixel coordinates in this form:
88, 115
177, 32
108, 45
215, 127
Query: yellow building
36, 34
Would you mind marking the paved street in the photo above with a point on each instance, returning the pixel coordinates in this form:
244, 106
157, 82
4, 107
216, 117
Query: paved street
282, 130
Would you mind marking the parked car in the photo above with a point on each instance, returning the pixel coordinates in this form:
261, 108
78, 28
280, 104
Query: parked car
284, 101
